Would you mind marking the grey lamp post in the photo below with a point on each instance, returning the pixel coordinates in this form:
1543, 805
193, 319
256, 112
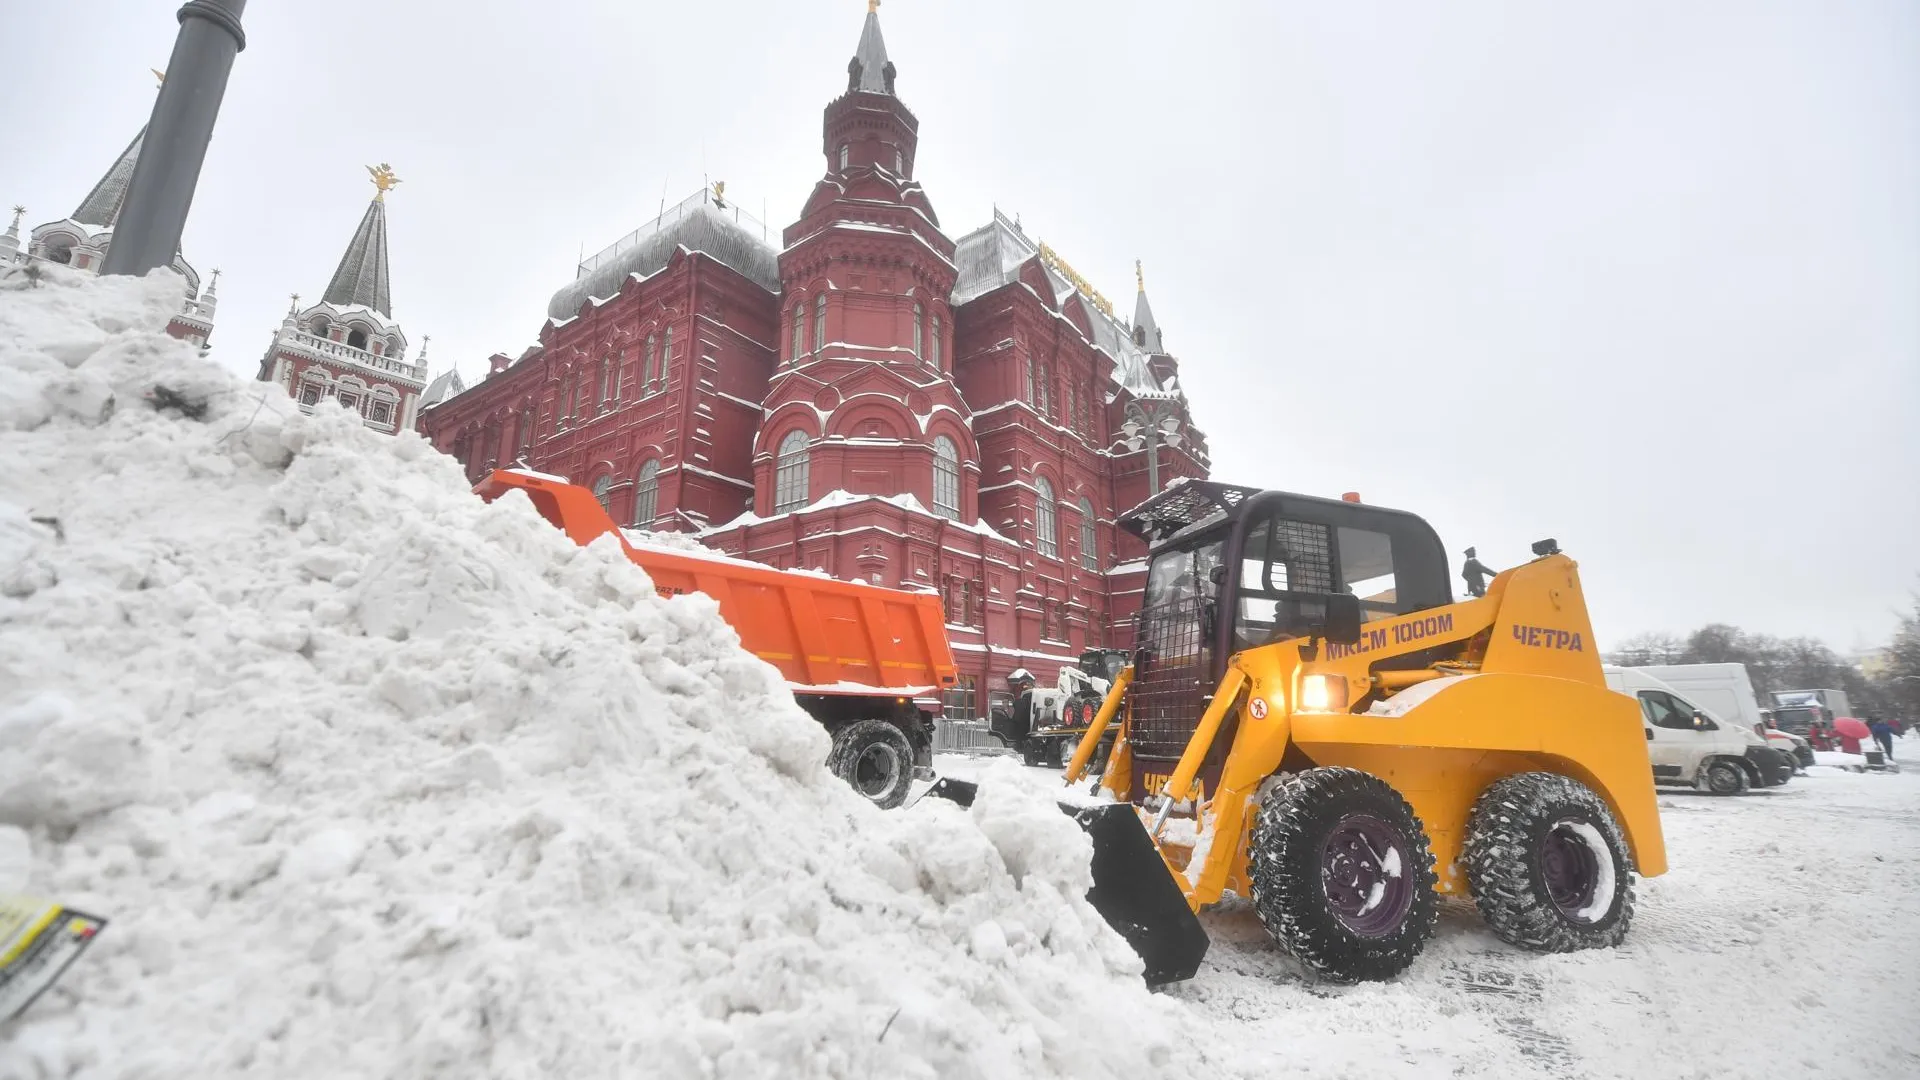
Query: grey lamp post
1151, 422
154, 212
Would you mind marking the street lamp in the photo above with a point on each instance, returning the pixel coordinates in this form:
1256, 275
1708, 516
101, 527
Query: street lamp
154, 212
1150, 422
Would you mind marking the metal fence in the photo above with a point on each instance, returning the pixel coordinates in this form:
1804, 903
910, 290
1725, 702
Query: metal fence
960, 736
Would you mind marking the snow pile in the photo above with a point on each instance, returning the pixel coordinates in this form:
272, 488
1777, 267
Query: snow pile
376, 780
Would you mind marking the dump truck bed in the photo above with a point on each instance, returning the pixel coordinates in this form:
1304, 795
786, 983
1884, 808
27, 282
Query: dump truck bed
826, 636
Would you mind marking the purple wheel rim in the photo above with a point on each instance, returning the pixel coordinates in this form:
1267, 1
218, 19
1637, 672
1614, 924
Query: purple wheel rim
1571, 871
1367, 873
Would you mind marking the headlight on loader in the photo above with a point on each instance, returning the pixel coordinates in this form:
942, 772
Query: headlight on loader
1323, 693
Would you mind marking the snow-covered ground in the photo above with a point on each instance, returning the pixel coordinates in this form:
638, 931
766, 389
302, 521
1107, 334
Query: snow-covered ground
1784, 941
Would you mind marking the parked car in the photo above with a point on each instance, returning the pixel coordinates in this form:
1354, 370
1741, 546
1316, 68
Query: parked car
1688, 744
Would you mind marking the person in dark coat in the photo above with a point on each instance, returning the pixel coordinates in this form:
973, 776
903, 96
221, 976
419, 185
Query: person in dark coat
1882, 734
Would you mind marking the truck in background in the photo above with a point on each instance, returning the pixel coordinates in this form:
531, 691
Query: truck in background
1811, 713
1726, 691
867, 662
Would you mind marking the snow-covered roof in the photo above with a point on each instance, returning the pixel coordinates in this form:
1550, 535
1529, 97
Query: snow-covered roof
905, 501
699, 224
991, 257
447, 385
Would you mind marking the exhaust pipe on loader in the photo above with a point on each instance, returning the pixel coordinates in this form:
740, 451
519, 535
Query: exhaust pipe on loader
1131, 887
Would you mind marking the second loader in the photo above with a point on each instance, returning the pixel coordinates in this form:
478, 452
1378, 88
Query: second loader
1311, 721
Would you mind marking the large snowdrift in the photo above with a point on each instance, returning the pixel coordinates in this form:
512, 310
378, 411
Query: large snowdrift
375, 780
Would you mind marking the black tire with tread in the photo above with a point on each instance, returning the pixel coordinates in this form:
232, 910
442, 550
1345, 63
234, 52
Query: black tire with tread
1509, 889
855, 740
1296, 818
1724, 767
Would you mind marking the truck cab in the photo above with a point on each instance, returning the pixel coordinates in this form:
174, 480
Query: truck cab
1688, 744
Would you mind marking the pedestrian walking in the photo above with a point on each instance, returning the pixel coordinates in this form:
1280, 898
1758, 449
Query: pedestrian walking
1882, 734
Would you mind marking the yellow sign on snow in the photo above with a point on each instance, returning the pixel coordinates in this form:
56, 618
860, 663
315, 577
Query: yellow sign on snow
38, 942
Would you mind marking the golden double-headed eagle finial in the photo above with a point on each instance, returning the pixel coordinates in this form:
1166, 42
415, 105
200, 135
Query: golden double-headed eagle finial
159, 77
1139, 276
383, 179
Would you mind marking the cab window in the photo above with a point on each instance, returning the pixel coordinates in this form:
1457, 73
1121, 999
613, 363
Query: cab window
1366, 571
1664, 710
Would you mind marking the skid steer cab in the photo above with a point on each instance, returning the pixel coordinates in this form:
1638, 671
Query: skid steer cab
1311, 721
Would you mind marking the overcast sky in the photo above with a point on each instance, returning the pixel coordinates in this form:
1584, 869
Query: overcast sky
1641, 275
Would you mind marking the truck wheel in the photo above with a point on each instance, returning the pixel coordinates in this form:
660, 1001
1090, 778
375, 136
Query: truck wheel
1723, 777
1547, 866
1342, 874
876, 758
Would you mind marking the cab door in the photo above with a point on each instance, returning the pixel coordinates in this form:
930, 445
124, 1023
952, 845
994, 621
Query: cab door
1678, 743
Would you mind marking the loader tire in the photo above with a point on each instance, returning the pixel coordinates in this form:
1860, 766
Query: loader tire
1724, 776
1342, 874
1547, 865
875, 757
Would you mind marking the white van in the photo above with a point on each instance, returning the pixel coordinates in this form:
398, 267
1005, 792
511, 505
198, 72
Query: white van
1688, 744
1725, 691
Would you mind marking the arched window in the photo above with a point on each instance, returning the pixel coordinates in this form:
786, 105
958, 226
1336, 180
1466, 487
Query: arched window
919, 332
1046, 397
1089, 537
1029, 378
600, 489
946, 478
844, 153
1043, 518
609, 382
820, 322
899, 162
647, 360
799, 330
526, 431
357, 338
666, 359
646, 495
320, 327
790, 473
936, 344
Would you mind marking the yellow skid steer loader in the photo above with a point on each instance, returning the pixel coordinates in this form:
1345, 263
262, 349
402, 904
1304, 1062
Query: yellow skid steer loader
1311, 721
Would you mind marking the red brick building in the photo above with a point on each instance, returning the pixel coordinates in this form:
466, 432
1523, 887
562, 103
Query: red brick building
347, 348
864, 396
82, 239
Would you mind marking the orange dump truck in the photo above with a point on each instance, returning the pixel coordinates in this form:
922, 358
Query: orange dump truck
867, 662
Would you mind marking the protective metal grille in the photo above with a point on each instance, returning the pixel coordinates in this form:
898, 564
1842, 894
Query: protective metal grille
1307, 549
1167, 691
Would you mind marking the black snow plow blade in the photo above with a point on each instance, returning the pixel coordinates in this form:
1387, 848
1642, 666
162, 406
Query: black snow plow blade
1132, 889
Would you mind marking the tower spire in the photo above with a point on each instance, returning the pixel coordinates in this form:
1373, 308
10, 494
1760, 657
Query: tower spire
870, 71
102, 204
362, 275
1146, 331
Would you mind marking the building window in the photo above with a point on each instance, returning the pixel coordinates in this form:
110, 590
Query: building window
899, 162
602, 489
380, 411
1043, 518
582, 388
845, 152
820, 322
958, 702
319, 328
608, 373
1052, 621
799, 330
311, 393
959, 600
919, 333
357, 339
790, 473
936, 344
946, 478
646, 495
350, 399
1029, 397
1089, 537
1046, 396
